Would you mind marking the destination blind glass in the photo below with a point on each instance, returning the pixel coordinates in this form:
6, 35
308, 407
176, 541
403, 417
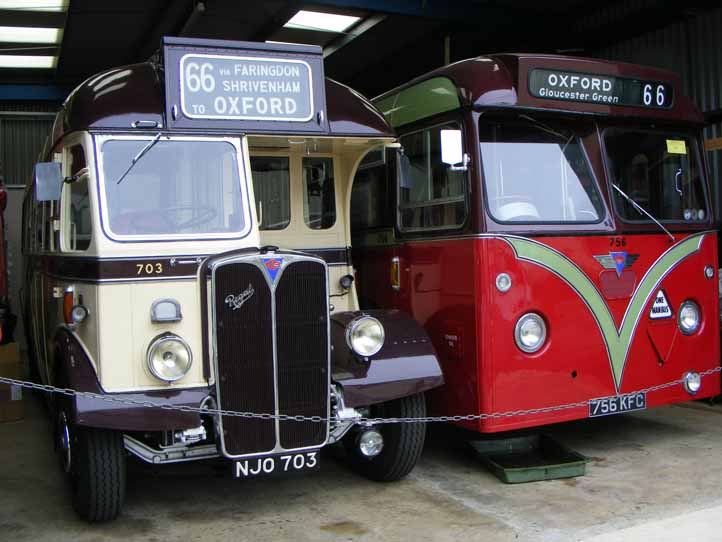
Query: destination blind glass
245, 88
599, 89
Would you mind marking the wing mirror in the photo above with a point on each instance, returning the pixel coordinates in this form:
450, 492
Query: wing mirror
452, 150
48, 181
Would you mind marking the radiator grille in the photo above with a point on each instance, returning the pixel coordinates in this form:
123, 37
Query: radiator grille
302, 352
247, 377
245, 357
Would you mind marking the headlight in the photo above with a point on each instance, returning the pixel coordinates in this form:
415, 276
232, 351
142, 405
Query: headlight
530, 333
688, 317
169, 358
365, 336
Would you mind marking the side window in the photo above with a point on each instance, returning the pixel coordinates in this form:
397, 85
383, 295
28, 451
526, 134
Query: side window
78, 233
431, 194
369, 195
319, 195
271, 186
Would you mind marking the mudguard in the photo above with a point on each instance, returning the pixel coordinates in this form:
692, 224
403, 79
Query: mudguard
406, 364
74, 370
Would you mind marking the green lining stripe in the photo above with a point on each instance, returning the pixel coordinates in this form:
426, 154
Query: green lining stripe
425, 99
616, 341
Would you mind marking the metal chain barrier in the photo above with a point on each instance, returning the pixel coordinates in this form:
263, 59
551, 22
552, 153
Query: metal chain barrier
46, 388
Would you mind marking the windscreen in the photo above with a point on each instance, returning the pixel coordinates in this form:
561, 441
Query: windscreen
176, 188
660, 172
537, 173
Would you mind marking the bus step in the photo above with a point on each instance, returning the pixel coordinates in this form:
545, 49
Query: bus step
529, 458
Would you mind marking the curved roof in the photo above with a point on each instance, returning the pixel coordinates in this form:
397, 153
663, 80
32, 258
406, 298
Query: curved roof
500, 80
117, 98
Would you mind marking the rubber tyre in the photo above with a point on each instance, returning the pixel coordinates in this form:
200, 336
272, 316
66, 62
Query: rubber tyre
403, 442
98, 474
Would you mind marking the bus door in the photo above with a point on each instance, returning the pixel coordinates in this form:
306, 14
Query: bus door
436, 261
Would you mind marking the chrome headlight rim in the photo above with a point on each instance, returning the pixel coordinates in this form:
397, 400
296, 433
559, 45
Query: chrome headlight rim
155, 345
354, 325
684, 329
517, 332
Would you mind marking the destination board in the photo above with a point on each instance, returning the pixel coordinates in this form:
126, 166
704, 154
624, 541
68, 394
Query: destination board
243, 86
599, 89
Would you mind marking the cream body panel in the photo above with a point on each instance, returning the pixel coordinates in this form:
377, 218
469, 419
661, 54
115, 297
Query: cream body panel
128, 331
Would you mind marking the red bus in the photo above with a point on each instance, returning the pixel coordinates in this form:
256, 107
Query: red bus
549, 223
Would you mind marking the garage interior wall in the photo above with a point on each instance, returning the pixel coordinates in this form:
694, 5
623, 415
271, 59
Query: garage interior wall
692, 48
24, 126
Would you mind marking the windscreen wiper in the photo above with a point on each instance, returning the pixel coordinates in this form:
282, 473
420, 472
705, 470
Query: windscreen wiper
642, 210
139, 156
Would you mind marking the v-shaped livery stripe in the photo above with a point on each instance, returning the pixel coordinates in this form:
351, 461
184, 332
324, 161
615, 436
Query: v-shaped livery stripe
616, 340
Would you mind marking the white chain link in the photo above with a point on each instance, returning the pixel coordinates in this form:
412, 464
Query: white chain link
319, 419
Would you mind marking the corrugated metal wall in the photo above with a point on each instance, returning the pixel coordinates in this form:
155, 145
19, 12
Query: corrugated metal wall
24, 126
692, 48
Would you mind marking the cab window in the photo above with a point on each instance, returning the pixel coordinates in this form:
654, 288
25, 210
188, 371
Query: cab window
537, 172
660, 172
271, 186
431, 194
319, 195
78, 233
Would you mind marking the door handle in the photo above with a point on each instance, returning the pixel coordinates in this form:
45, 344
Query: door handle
395, 273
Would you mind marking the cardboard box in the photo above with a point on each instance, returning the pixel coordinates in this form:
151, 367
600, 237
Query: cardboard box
11, 397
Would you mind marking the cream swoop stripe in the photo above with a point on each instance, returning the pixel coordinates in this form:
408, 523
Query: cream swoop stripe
616, 340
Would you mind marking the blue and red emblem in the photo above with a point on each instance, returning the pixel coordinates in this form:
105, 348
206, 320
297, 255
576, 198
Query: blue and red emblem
617, 261
272, 266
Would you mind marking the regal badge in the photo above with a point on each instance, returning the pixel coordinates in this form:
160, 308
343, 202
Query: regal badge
272, 266
617, 261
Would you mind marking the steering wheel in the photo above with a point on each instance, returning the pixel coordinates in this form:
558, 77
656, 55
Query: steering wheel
513, 197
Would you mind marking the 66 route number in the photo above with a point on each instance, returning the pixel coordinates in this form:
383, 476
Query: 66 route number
652, 95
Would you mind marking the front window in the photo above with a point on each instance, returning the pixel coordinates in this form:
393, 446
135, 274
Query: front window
272, 188
535, 172
171, 188
660, 172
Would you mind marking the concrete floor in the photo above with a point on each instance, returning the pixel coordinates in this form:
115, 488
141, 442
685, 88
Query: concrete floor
655, 475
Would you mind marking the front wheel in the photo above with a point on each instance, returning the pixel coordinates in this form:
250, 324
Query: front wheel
403, 442
97, 473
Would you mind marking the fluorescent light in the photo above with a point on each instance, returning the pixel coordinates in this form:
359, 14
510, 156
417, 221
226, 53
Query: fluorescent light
35, 5
29, 34
27, 61
316, 20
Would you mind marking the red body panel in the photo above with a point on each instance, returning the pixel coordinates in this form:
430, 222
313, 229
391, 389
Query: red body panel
449, 287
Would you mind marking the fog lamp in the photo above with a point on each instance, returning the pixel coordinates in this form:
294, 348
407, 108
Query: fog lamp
530, 332
365, 335
169, 358
692, 382
370, 443
688, 317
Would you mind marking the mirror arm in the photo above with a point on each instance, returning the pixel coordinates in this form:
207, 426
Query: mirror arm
464, 164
